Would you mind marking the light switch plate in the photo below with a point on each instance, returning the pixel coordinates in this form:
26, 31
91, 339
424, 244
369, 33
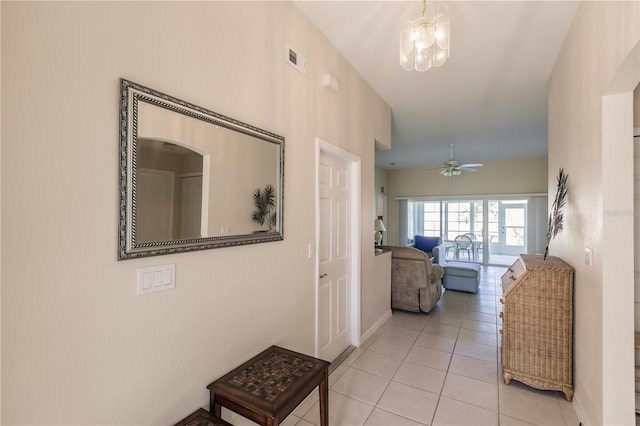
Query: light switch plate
588, 256
156, 278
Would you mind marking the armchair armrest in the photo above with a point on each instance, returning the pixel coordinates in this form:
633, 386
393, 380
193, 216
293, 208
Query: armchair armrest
437, 272
439, 253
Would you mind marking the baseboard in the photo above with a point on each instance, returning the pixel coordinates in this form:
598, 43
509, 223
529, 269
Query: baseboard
344, 355
580, 411
371, 331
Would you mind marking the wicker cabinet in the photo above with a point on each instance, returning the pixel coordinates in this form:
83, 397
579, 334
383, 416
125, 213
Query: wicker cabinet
537, 323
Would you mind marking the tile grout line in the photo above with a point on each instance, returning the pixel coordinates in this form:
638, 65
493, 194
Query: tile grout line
435, 411
394, 374
467, 309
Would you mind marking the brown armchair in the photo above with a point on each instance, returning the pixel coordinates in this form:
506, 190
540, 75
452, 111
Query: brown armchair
416, 283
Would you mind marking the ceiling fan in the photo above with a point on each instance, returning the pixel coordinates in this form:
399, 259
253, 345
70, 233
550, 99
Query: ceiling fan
452, 167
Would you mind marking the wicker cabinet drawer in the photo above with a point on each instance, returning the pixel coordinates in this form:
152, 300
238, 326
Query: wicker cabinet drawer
537, 323
513, 273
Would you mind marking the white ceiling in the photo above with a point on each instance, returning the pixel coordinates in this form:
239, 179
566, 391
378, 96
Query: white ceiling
489, 98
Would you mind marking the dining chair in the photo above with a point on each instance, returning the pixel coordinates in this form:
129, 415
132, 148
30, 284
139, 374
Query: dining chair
464, 243
477, 245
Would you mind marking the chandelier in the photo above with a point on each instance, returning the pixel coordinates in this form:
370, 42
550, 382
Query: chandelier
424, 42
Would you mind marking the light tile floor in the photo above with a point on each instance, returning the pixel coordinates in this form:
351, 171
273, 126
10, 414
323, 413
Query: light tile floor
440, 368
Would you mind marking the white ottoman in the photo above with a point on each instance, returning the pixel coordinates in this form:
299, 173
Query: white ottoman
461, 276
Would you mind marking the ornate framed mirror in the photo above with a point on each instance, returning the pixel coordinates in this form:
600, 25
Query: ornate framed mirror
193, 179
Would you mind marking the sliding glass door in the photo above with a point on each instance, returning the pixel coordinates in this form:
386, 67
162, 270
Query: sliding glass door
505, 222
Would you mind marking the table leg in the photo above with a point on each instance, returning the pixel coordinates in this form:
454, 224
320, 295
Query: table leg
323, 388
214, 406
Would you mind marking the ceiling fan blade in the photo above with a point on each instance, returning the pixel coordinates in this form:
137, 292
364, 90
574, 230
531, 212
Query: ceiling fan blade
467, 169
471, 165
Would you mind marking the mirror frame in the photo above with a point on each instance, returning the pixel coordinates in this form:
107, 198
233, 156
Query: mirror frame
130, 94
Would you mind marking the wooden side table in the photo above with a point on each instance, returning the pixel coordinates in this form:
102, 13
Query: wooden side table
268, 387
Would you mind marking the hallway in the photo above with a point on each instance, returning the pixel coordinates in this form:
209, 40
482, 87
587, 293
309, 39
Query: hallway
440, 368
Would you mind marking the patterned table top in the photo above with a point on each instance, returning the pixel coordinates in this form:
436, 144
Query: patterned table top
271, 377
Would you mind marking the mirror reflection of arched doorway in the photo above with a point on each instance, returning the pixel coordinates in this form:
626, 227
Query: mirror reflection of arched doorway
169, 181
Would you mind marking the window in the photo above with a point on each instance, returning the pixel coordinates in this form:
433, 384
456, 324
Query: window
458, 219
431, 219
446, 219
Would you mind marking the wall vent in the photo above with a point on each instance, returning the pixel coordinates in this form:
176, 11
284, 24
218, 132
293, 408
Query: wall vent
296, 60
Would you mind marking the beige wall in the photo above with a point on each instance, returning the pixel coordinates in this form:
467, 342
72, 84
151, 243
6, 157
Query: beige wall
381, 177
599, 213
636, 107
79, 347
520, 176
380, 183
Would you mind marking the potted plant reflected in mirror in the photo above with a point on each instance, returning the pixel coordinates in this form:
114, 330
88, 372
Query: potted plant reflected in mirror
265, 212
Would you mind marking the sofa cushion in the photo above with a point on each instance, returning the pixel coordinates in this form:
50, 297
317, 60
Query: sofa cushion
426, 244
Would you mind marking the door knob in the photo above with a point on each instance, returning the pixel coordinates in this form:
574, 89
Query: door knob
323, 275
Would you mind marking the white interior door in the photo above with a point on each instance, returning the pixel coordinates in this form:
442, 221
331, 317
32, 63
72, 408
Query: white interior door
334, 257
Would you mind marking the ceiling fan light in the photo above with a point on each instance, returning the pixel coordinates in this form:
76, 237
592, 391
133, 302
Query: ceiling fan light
450, 172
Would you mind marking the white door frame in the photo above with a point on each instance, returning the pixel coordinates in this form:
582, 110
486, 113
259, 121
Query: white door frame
617, 245
325, 147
